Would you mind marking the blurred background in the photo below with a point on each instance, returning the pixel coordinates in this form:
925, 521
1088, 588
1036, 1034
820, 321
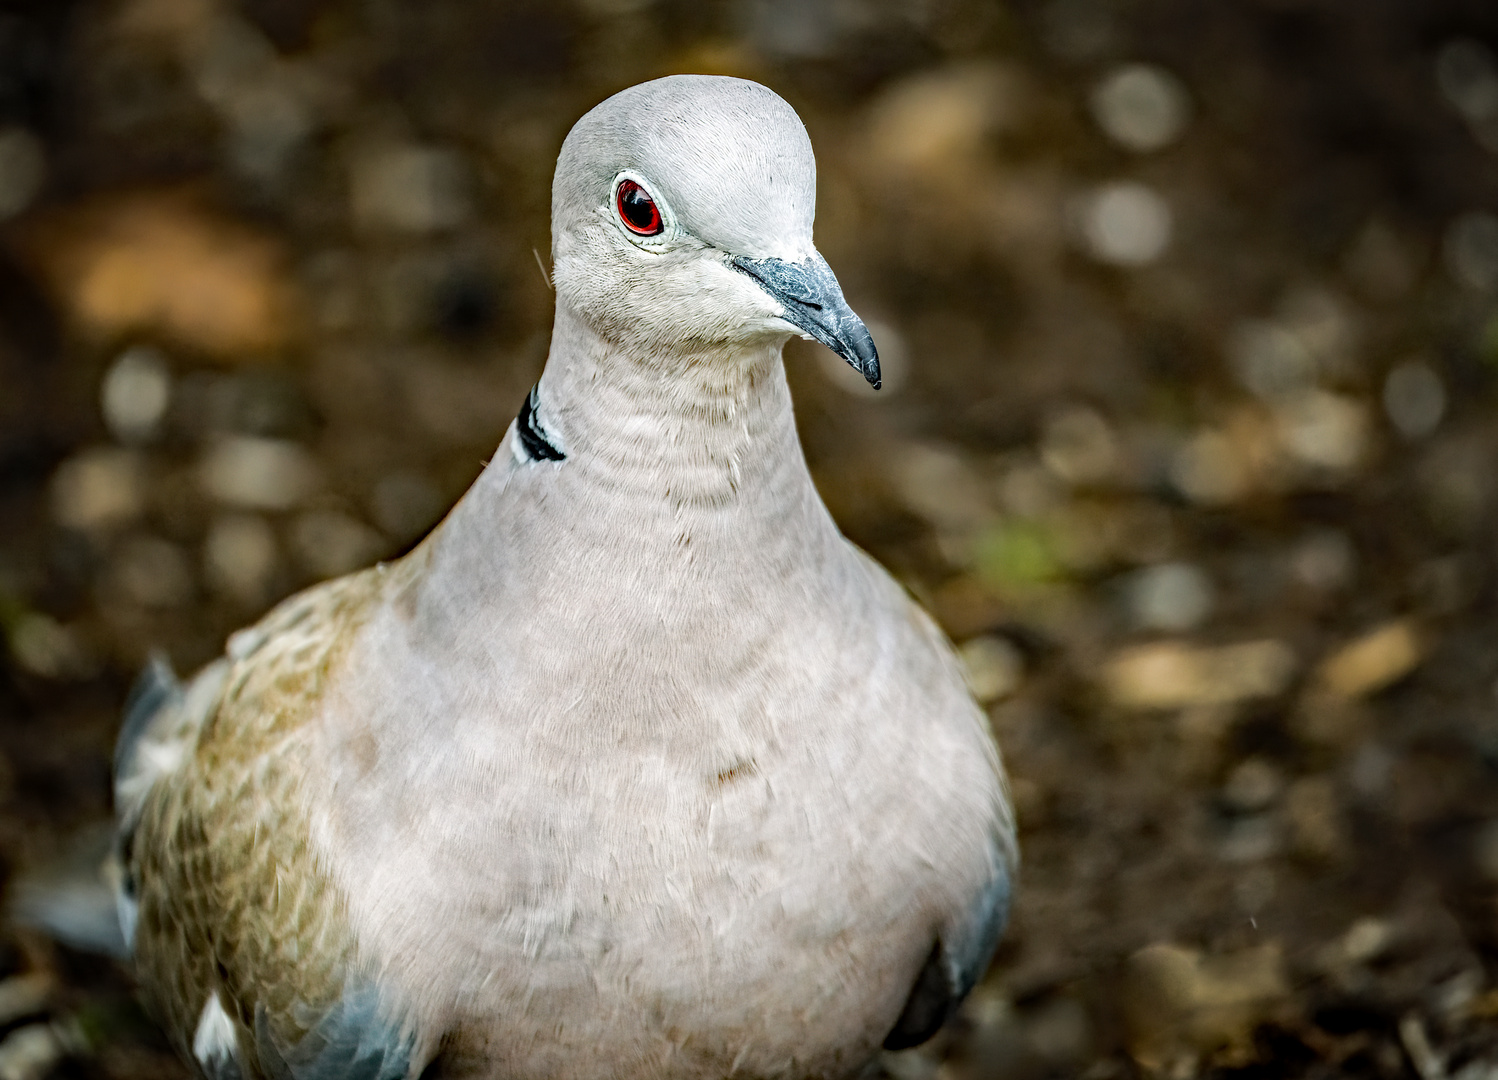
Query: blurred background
1189, 437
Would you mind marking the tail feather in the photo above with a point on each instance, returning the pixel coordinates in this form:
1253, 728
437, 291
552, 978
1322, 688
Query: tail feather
155, 687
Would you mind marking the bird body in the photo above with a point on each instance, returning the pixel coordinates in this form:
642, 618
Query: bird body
635, 767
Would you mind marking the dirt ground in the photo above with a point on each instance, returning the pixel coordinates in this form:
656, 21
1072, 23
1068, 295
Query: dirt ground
1189, 437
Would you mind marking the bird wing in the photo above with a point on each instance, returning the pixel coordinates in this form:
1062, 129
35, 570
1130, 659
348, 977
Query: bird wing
240, 939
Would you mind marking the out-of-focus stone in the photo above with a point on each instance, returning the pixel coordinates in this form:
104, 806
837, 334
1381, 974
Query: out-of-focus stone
161, 264
1364, 941
1250, 839
1172, 596
1126, 223
135, 393
99, 488
1485, 851
936, 123
1254, 785
1381, 263
1207, 469
1458, 482
1324, 430
330, 543
45, 647
1323, 325
1174, 675
33, 1051
1467, 74
1374, 661
258, 474
153, 573
1079, 446
1269, 359
410, 188
23, 167
239, 557
259, 98
1324, 560
1414, 399
1059, 1032
1471, 250
939, 484
1141, 107
1314, 815
1182, 1005
1028, 490
994, 667
1428, 1064
1079, 30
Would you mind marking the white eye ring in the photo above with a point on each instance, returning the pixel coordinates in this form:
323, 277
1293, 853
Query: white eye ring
657, 241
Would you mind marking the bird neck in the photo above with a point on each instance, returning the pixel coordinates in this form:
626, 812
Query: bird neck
670, 464
711, 422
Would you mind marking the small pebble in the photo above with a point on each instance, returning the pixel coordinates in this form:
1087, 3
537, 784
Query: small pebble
1270, 360
1180, 1003
1324, 560
1314, 814
1374, 661
31, 1052
938, 483
1415, 399
1208, 469
994, 667
411, 189
1173, 675
99, 488
1250, 839
1324, 430
1485, 851
330, 543
25, 995
23, 167
44, 647
153, 573
258, 474
1467, 74
239, 557
1060, 1032
1126, 223
1367, 939
1253, 785
1470, 249
1141, 107
1173, 596
1079, 30
1078, 445
135, 393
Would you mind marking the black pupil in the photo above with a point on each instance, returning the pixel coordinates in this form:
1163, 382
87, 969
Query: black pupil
638, 208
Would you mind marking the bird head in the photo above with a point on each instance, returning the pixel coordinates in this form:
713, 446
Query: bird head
682, 222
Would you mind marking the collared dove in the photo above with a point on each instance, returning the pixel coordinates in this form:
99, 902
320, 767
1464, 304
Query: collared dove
635, 767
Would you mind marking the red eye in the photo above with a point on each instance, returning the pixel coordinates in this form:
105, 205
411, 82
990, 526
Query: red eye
637, 209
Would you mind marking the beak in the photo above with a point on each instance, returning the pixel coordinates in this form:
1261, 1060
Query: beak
813, 302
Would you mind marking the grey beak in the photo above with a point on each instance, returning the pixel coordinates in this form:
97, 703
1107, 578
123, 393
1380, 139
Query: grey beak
813, 301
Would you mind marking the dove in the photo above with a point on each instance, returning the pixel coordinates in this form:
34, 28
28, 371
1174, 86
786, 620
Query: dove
634, 766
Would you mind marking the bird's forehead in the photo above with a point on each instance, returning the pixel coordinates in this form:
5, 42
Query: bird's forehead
729, 156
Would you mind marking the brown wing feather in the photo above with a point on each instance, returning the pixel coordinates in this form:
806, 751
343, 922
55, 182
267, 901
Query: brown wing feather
231, 896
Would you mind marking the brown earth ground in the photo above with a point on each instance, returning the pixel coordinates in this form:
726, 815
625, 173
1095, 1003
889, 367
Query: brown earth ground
1189, 437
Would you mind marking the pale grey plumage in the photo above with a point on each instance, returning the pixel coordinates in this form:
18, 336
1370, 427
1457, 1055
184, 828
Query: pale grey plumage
635, 767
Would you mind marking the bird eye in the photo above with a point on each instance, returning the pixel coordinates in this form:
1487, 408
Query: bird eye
637, 209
